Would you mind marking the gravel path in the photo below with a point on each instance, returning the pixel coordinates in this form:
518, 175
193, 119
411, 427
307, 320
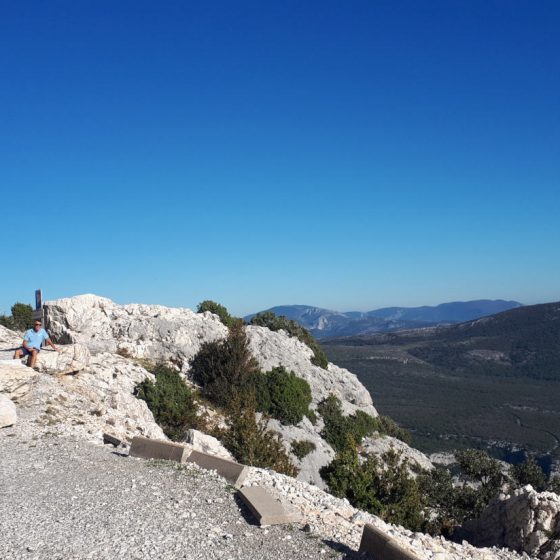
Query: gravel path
62, 498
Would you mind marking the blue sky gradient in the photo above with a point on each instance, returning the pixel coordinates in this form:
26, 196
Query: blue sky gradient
350, 155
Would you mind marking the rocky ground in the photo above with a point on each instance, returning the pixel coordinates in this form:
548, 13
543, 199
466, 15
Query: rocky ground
62, 498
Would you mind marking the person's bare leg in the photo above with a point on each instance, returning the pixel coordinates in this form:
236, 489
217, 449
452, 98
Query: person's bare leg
18, 354
32, 359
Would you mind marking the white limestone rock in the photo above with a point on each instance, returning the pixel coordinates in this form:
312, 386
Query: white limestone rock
380, 444
207, 444
8, 414
71, 358
9, 342
312, 463
525, 521
154, 332
16, 379
273, 349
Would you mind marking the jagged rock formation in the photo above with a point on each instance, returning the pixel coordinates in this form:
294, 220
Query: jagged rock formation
155, 332
525, 521
274, 349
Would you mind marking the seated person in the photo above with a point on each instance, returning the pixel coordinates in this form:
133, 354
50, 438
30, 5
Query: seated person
32, 341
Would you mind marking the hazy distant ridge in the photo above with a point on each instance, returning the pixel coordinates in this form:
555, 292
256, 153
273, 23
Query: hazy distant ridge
324, 323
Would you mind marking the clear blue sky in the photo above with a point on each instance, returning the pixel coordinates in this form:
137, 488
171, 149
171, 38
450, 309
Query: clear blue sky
349, 155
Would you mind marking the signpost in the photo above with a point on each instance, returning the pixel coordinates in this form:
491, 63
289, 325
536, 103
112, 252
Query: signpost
38, 313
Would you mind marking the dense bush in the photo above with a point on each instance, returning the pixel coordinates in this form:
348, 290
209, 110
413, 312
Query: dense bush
217, 309
302, 448
389, 427
529, 472
226, 368
171, 402
21, 318
293, 328
384, 488
339, 427
283, 395
251, 443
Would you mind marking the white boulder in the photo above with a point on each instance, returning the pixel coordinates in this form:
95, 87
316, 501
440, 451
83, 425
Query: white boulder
8, 414
525, 521
16, 379
207, 444
71, 358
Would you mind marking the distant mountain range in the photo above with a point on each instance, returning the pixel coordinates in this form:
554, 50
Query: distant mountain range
325, 323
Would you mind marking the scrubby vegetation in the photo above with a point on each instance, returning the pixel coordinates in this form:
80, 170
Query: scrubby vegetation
21, 318
359, 425
171, 402
382, 487
283, 395
251, 442
225, 369
293, 328
302, 448
219, 310
529, 472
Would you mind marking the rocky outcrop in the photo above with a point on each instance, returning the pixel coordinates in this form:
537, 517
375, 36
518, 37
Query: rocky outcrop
8, 414
310, 465
381, 444
154, 332
273, 349
525, 521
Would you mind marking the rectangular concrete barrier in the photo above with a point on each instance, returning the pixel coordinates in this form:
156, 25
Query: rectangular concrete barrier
266, 509
380, 546
233, 472
158, 449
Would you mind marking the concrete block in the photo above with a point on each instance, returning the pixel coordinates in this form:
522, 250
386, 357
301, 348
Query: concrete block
380, 546
233, 472
157, 449
109, 439
266, 509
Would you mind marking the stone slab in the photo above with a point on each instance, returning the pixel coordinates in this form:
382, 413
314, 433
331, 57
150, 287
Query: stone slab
380, 546
233, 472
266, 509
157, 449
108, 438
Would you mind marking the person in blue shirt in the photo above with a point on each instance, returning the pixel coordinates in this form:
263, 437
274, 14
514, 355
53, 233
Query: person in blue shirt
32, 341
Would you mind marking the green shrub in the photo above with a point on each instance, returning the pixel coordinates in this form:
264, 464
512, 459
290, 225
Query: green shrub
389, 427
283, 395
21, 318
293, 328
478, 467
217, 309
529, 472
302, 448
226, 368
251, 443
171, 402
382, 488
338, 427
